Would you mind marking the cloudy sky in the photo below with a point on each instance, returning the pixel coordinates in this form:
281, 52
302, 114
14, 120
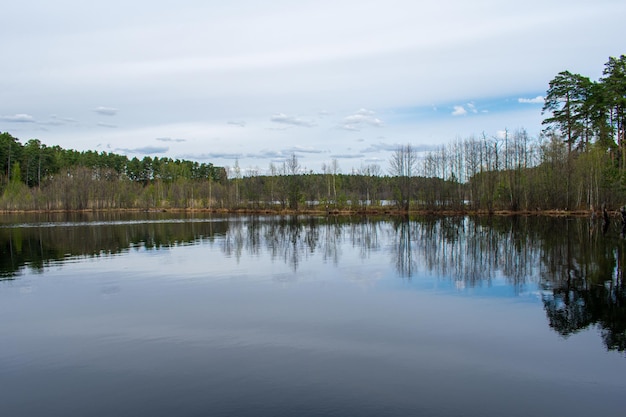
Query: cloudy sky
255, 81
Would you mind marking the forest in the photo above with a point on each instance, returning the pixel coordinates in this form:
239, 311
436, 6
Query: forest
577, 163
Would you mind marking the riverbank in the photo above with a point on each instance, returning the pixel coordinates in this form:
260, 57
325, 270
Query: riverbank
315, 211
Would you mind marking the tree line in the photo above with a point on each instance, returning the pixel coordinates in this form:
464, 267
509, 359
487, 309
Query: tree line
34, 176
578, 162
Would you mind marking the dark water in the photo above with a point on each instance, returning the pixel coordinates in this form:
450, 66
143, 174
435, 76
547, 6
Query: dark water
161, 315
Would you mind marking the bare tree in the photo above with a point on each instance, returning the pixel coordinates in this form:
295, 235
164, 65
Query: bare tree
237, 172
368, 172
402, 166
293, 170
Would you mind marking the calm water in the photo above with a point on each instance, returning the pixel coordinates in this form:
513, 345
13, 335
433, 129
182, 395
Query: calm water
162, 315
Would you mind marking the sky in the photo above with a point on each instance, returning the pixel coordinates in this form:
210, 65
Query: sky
251, 83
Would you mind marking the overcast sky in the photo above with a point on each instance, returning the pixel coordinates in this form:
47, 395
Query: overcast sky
216, 81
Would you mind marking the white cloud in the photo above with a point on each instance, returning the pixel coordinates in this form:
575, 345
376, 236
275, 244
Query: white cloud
302, 149
459, 111
18, 118
377, 147
58, 121
212, 156
392, 147
360, 119
462, 110
346, 156
106, 111
291, 120
239, 123
109, 125
145, 150
536, 100
267, 154
166, 139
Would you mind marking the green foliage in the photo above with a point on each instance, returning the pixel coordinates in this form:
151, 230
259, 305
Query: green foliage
614, 83
568, 99
16, 194
583, 111
16, 174
39, 162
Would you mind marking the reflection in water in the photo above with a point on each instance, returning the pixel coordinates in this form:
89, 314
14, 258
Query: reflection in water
586, 286
473, 252
576, 267
404, 256
576, 307
37, 245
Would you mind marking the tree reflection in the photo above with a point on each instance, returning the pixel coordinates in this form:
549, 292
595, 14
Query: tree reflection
473, 252
53, 239
576, 266
573, 308
331, 235
288, 239
581, 296
364, 235
404, 260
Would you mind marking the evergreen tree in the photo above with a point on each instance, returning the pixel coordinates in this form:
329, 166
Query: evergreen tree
567, 99
614, 88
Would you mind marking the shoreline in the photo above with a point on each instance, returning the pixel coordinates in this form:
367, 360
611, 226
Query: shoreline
376, 211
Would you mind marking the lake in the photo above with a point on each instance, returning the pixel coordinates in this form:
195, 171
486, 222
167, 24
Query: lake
163, 314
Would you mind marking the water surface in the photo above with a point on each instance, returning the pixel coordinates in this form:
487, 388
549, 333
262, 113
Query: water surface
160, 314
